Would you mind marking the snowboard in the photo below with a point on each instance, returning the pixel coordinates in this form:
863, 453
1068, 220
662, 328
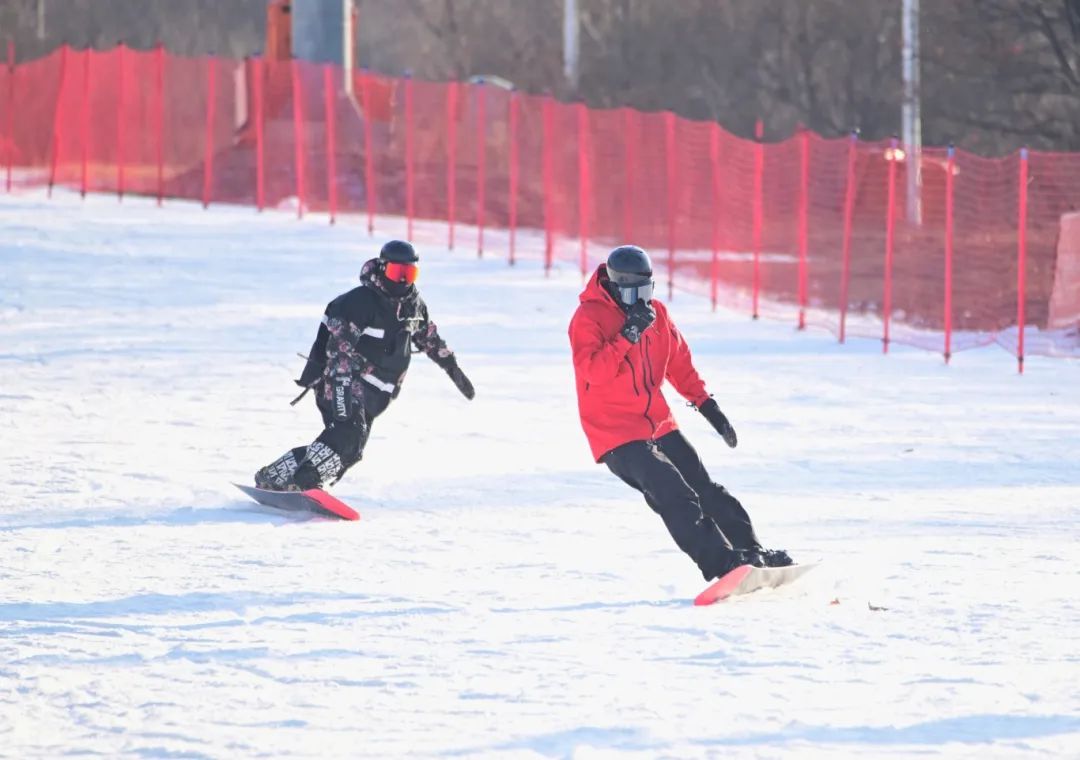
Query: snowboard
314, 500
747, 578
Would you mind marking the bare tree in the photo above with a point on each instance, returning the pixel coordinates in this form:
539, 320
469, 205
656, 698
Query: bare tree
192, 27
1002, 73
996, 73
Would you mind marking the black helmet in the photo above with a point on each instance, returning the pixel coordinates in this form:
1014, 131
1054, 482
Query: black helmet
399, 251
398, 268
630, 273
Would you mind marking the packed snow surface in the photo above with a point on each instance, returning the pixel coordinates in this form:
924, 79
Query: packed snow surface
503, 596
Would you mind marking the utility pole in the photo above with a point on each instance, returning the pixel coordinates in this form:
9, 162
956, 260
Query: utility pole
911, 113
571, 48
322, 32
41, 19
349, 31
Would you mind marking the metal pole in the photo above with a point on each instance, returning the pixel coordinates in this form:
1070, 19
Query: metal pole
570, 43
911, 129
349, 31
320, 30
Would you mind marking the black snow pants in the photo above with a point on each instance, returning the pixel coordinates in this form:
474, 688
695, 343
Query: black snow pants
705, 520
341, 443
337, 448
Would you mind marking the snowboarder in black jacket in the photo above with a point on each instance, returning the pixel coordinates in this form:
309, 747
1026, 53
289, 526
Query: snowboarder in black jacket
357, 365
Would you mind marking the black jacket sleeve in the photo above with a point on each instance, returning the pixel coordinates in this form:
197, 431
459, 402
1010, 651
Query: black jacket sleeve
316, 359
335, 343
428, 340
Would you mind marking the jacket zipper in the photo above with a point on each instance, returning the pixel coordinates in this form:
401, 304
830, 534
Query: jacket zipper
645, 380
633, 378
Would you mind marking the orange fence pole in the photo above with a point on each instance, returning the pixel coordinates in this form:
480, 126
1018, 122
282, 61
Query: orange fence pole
759, 207
451, 161
369, 153
803, 233
548, 118
258, 66
409, 198
672, 197
584, 189
950, 171
631, 131
10, 142
298, 135
481, 165
84, 123
717, 213
512, 201
849, 212
121, 115
58, 122
208, 146
890, 236
159, 118
1021, 255
331, 139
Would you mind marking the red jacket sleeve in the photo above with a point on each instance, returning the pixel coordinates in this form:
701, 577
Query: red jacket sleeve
680, 369
596, 356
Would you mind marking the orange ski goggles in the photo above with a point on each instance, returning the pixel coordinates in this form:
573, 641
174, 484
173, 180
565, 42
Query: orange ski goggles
399, 272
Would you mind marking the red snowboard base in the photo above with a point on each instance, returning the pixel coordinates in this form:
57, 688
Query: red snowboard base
747, 578
314, 500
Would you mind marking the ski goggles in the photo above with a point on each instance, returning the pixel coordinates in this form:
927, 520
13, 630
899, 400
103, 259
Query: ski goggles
398, 272
632, 292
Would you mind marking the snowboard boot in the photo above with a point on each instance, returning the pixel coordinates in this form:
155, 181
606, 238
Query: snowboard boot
321, 465
729, 560
279, 474
775, 558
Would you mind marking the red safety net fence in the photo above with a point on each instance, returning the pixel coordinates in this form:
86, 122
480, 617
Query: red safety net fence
819, 231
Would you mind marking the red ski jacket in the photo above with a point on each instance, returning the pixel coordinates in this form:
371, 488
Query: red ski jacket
618, 382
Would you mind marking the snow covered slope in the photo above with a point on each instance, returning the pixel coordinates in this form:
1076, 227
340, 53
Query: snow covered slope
502, 596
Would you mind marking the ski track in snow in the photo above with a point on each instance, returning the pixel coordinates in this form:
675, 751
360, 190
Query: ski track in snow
502, 596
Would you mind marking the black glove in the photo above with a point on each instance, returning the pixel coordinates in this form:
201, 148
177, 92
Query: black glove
638, 319
711, 411
461, 381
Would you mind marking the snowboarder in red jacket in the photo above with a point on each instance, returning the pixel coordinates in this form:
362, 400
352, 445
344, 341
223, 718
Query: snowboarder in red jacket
625, 345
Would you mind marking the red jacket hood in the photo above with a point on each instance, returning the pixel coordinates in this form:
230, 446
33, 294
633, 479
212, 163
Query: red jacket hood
595, 290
